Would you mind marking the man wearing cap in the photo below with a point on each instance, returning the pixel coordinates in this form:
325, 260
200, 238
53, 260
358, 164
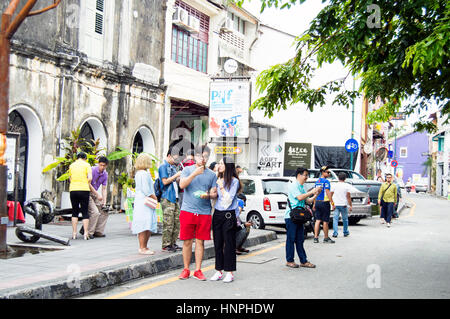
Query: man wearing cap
322, 205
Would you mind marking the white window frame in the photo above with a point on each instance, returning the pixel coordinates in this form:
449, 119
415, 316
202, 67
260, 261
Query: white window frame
404, 149
98, 47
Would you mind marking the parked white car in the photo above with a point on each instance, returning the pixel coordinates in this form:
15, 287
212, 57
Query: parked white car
266, 200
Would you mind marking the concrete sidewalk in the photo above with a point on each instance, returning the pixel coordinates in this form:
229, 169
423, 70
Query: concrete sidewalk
66, 271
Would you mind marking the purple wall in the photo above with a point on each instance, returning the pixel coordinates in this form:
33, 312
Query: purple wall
416, 143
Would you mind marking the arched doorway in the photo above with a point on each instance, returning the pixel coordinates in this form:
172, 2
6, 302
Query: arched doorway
93, 129
144, 141
87, 133
138, 144
17, 124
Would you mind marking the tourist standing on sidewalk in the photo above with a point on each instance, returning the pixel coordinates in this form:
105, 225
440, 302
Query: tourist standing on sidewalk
144, 217
171, 210
342, 199
297, 197
322, 207
387, 198
224, 220
97, 201
80, 173
199, 184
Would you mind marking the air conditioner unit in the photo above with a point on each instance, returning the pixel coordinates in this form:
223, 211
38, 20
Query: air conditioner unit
194, 24
180, 17
228, 25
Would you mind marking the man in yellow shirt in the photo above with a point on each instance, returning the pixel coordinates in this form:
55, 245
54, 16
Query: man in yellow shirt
387, 198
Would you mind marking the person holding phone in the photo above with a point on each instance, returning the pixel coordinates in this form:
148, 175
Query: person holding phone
298, 196
199, 184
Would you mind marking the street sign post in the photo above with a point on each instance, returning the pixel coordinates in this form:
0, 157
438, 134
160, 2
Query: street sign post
394, 163
351, 145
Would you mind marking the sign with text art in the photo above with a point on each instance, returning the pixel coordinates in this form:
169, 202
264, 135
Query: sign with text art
296, 155
270, 161
229, 104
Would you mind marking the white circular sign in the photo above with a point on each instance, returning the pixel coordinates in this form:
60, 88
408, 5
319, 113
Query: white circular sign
230, 66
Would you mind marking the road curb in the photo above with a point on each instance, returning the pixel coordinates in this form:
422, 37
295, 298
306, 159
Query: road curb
64, 288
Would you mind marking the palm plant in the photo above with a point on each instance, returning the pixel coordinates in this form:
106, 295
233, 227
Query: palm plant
126, 180
75, 144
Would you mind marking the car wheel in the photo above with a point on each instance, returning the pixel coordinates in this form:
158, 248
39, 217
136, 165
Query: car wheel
353, 221
256, 219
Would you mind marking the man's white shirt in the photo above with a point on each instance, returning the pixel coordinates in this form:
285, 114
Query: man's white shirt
340, 191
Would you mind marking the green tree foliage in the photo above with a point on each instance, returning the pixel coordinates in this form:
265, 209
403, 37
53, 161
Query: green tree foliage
399, 49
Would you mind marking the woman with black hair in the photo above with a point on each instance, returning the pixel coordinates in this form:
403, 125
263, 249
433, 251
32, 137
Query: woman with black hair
224, 220
80, 173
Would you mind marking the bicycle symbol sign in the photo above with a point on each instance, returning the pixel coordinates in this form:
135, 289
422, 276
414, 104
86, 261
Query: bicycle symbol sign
351, 145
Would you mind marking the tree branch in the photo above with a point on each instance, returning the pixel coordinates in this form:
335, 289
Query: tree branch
19, 18
54, 5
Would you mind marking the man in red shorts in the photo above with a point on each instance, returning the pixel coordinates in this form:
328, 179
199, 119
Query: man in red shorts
199, 184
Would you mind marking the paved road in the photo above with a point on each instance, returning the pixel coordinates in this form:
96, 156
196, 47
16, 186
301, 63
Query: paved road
409, 260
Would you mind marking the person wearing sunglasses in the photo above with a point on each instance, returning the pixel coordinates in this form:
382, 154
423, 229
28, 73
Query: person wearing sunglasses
322, 207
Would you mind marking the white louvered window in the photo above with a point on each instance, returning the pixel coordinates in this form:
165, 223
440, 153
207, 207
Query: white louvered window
95, 29
99, 16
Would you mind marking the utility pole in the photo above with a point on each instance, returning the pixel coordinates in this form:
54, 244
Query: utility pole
8, 28
353, 125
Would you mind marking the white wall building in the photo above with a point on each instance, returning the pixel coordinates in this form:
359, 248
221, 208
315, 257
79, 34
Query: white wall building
199, 37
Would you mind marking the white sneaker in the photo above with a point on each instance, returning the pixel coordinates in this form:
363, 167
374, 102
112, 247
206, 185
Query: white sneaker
229, 277
388, 224
217, 276
382, 221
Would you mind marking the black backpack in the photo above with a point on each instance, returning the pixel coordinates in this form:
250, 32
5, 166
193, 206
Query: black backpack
159, 188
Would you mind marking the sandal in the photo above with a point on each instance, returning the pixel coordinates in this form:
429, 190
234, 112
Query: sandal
292, 265
308, 265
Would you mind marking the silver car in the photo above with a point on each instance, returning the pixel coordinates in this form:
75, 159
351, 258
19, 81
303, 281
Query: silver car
361, 207
421, 188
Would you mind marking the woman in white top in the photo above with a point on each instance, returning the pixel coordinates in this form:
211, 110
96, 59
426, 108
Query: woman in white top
144, 217
224, 220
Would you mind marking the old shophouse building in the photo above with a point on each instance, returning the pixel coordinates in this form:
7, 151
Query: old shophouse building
94, 65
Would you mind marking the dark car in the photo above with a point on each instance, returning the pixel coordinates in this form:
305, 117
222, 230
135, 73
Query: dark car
354, 178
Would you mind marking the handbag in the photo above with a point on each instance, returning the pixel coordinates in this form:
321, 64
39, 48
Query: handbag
150, 202
299, 215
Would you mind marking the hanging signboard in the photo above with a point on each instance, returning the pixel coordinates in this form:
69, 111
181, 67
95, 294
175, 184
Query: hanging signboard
229, 109
229, 150
296, 155
270, 160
